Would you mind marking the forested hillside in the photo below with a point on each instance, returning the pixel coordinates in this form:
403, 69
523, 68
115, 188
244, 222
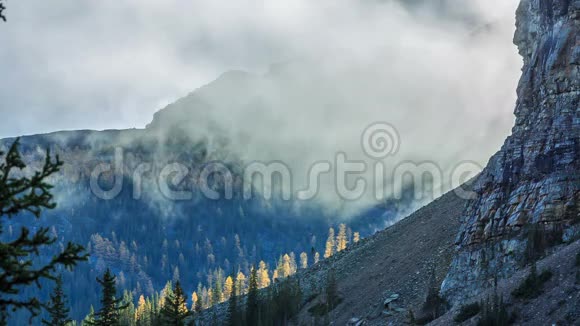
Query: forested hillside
152, 240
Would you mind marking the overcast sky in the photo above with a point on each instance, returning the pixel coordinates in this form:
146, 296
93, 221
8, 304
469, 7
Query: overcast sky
72, 64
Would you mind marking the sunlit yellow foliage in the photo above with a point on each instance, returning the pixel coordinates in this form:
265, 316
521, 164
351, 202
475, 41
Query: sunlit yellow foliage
329, 251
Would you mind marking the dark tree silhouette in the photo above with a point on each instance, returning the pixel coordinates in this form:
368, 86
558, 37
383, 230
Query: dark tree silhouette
110, 304
19, 265
57, 307
2, 8
252, 301
174, 312
233, 313
198, 307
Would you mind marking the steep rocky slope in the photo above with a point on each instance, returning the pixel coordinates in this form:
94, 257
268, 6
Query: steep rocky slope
398, 260
525, 208
527, 197
559, 303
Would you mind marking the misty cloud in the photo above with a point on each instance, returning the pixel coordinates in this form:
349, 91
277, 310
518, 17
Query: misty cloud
442, 72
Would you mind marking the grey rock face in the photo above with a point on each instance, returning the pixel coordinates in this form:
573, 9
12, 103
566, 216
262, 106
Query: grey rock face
527, 196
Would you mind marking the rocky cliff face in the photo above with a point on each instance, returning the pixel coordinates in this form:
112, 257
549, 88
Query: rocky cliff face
527, 197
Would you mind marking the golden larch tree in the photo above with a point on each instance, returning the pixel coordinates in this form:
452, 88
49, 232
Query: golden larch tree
228, 286
356, 237
286, 268
263, 276
341, 239
141, 312
240, 284
303, 260
194, 299
329, 250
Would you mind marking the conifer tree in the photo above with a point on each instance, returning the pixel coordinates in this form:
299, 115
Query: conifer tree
263, 276
57, 307
205, 298
241, 286
165, 292
2, 8
286, 266
174, 312
329, 250
109, 314
293, 265
341, 238
285, 301
198, 305
316, 257
142, 313
210, 298
356, 237
216, 296
228, 286
303, 260
279, 271
127, 315
233, 313
22, 194
252, 301
267, 307
194, 300
90, 318
152, 308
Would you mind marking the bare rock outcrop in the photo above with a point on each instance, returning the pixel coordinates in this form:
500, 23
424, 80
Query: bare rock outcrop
527, 196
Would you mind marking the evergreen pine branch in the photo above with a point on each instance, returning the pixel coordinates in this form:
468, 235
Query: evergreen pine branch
21, 194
